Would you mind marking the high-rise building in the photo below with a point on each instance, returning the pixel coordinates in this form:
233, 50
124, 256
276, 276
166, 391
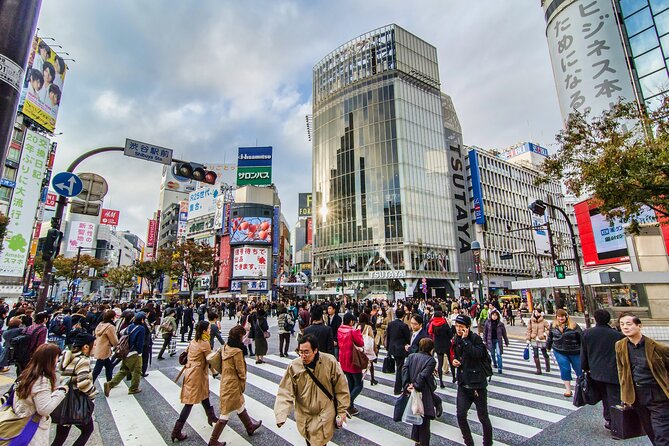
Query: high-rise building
603, 50
381, 168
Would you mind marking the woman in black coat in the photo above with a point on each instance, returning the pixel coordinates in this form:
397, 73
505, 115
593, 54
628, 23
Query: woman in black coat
417, 374
260, 328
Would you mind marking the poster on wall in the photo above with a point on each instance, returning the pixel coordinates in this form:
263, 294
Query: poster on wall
82, 235
250, 261
251, 230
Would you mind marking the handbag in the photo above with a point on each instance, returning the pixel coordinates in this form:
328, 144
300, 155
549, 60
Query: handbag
388, 365
215, 360
183, 357
400, 404
360, 360
173, 346
526, 353
369, 348
585, 392
266, 334
75, 410
625, 423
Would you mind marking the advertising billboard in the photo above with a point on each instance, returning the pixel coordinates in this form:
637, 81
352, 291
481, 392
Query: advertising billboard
152, 234
304, 205
202, 202
43, 86
310, 231
176, 183
588, 58
182, 227
250, 261
603, 241
254, 166
82, 235
23, 206
251, 230
525, 148
226, 263
109, 217
479, 212
540, 234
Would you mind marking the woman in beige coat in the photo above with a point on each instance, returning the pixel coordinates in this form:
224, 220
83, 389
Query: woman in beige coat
105, 340
537, 332
195, 388
37, 392
233, 383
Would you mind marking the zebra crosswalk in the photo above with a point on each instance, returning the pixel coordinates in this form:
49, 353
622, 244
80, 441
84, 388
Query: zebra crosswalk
521, 405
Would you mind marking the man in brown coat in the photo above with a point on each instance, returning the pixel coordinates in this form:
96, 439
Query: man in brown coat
644, 381
301, 389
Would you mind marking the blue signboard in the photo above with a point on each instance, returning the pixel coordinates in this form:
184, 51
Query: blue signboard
8, 183
479, 212
254, 157
67, 184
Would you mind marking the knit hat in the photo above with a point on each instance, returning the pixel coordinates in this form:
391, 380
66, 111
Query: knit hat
464, 320
83, 338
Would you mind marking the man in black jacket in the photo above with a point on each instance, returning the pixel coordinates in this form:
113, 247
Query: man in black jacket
334, 322
322, 332
418, 332
598, 356
469, 356
399, 335
187, 322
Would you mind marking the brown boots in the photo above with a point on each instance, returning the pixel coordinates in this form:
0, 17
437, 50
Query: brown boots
211, 416
250, 424
176, 432
216, 433
537, 363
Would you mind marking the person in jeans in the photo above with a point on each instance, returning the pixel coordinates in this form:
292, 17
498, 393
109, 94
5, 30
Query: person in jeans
168, 328
644, 378
469, 352
494, 333
349, 338
564, 338
131, 364
598, 356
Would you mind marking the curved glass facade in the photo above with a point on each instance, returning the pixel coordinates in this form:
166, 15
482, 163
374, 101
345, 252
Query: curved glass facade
380, 167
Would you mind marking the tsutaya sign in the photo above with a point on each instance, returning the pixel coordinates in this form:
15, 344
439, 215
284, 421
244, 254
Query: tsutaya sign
398, 274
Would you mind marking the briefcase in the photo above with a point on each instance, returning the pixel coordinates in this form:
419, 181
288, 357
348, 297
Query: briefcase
388, 365
625, 423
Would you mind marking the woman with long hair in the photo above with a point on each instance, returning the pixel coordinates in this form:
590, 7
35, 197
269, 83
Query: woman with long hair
76, 365
366, 329
233, 383
261, 327
564, 338
195, 387
36, 391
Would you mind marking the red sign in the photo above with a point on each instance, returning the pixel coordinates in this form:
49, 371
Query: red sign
152, 233
109, 217
51, 200
310, 230
225, 259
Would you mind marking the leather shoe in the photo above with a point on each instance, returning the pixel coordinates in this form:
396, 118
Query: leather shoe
607, 425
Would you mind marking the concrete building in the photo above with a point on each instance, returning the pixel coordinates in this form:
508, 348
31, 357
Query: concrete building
380, 168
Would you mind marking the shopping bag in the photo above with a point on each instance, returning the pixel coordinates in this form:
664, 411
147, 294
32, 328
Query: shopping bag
625, 423
215, 360
368, 348
408, 416
526, 353
388, 365
417, 404
173, 346
400, 404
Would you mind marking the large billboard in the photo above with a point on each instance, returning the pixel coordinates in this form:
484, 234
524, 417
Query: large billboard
251, 230
254, 166
587, 55
202, 202
24, 203
176, 183
250, 261
479, 211
43, 86
225, 260
82, 235
304, 209
603, 241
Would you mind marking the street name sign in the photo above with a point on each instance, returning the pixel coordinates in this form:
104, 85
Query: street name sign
147, 152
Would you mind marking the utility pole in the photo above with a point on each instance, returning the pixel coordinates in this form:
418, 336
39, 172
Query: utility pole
18, 20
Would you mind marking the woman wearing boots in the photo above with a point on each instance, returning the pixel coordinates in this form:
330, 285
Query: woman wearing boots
366, 329
441, 332
233, 383
195, 387
537, 331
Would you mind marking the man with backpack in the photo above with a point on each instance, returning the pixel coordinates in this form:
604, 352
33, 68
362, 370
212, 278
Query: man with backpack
129, 350
59, 327
37, 333
474, 366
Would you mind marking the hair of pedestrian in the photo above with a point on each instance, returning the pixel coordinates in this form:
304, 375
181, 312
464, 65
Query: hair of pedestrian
634, 317
426, 345
364, 318
418, 318
42, 364
317, 312
310, 339
41, 317
348, 318
399, 313
200, 328
602, 317
108, 316
14, 322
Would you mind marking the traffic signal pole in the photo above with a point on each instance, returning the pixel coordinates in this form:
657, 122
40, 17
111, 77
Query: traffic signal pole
57, 220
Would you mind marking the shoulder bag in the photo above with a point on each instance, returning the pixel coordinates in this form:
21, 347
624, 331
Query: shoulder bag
325, 391
77, 408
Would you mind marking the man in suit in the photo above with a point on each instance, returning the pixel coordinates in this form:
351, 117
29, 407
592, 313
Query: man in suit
334, 321
320, 330
598, 356
398, 340
187, 322
417, 332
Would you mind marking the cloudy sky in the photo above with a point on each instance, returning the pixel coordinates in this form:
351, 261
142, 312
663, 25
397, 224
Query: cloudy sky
204, 77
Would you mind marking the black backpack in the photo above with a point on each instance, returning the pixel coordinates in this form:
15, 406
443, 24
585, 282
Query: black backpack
19, 349
289, 323
486, 363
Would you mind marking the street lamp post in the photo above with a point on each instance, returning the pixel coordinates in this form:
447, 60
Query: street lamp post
539, 208
476, 250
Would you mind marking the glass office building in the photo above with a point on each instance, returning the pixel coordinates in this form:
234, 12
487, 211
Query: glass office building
380, 167
645, 24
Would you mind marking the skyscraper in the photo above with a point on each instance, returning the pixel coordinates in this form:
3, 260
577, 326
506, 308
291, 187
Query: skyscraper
381, 175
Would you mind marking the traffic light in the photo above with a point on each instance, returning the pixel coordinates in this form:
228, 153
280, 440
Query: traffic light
559, 272
52, 244
195, 171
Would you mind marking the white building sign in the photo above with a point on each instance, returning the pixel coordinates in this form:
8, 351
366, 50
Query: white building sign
250, 261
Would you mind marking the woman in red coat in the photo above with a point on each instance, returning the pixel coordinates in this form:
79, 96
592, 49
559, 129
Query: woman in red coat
349, 338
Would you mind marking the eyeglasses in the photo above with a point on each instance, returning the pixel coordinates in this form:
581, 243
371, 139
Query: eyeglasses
304, 352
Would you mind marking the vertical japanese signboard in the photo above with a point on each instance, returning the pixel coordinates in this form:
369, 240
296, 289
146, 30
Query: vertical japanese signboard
82, 235
152, 234
477, 203
24, 203
588, 58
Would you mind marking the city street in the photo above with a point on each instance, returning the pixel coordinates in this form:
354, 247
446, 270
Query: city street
525, 409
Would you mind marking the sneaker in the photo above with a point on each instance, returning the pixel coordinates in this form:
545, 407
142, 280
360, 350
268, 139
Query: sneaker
132, 392
107, 388
352, 411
